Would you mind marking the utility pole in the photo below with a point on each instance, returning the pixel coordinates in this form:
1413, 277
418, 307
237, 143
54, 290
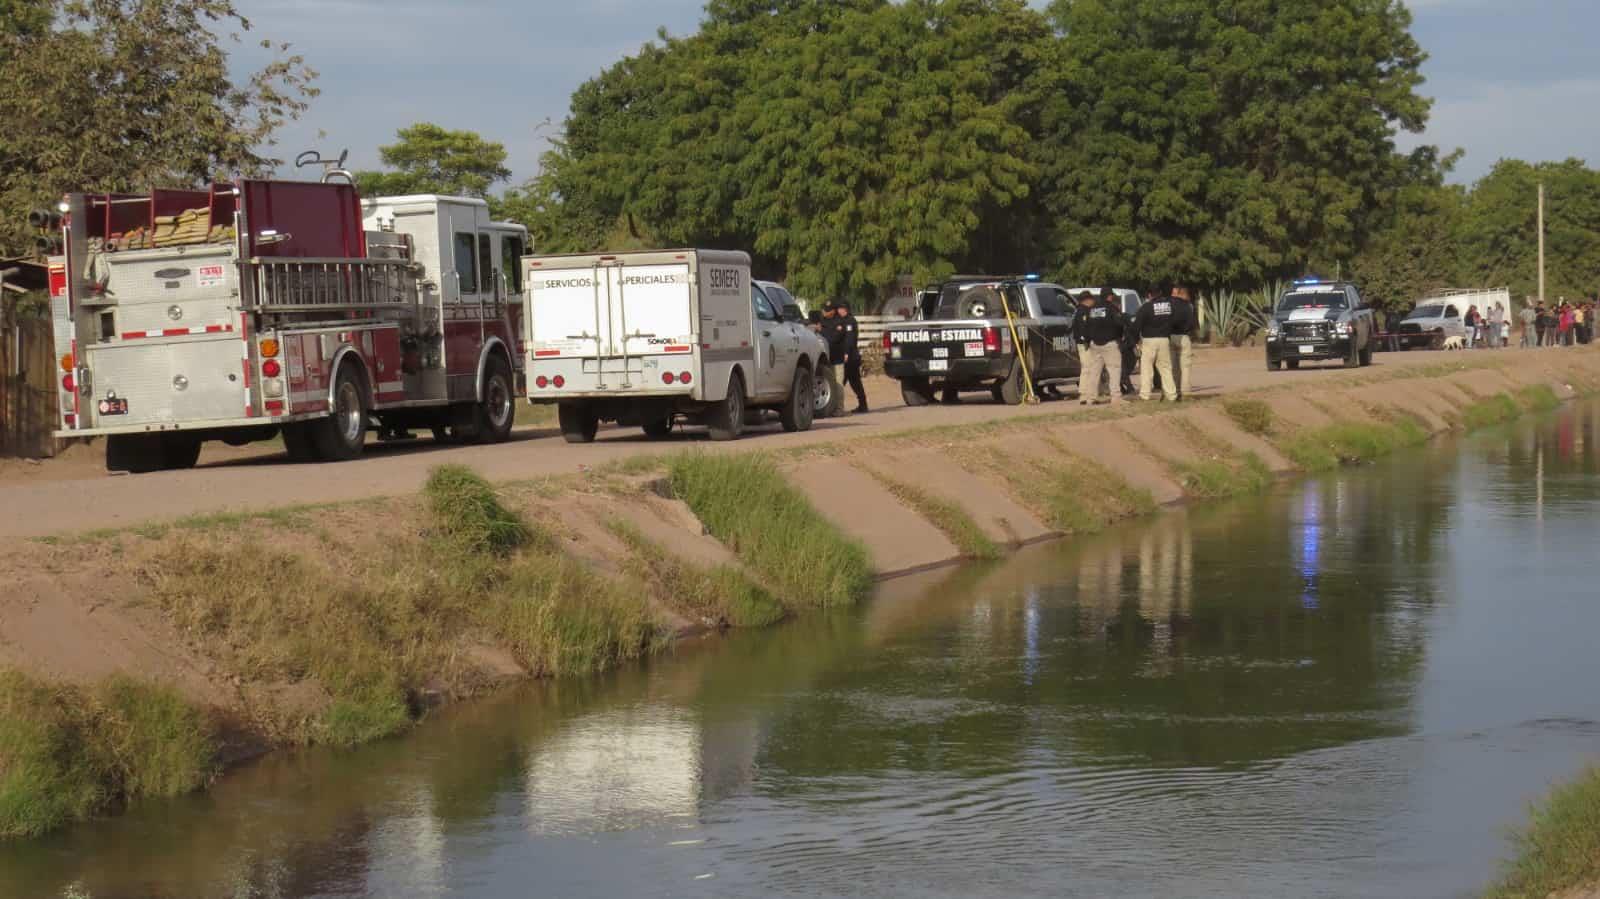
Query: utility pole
1541, 241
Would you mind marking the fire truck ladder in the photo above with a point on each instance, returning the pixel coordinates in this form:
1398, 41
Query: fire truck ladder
328, 285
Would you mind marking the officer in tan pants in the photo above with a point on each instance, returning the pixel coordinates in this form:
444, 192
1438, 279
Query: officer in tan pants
1098, 331
1154, 324
1184, 328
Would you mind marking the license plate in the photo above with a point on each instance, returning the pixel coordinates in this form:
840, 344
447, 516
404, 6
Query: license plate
938, 365
117, 406
974, 349
1308, 349
941, 352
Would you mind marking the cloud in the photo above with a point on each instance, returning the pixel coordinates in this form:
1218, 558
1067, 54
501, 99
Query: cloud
1538, 122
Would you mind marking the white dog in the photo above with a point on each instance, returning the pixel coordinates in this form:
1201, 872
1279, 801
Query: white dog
1454, 342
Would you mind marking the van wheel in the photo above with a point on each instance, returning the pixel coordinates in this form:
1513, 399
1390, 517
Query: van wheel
578, 422
725, 420
797, 413
1366, 355
916, 392
297, 443
1009, 391
493, 416
657, 428
342, 435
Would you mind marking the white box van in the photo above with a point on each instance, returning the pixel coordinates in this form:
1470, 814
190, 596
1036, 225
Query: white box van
651, 338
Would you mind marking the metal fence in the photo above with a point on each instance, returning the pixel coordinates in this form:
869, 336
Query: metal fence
27, 388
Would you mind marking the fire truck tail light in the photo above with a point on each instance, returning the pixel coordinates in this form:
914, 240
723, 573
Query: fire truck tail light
559, 382
272, 387
541, 382
271, 368
66, 362
684, 377
269, 348
991, 340
67, 383
668, 377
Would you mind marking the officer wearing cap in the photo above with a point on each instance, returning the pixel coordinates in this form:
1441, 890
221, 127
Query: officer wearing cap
1155, 324
1100, 328
842, 332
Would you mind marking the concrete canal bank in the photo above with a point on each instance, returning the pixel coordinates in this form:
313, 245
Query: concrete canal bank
149, 659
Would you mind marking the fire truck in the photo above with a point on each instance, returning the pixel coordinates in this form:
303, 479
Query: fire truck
258, 308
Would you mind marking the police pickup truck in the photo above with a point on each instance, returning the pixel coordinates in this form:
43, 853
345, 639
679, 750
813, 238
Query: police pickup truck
1316, 320
961, 340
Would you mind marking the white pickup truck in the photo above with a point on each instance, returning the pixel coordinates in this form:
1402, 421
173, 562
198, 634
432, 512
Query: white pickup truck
650, 339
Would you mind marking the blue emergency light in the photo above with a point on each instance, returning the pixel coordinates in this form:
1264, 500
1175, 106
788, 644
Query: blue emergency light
1030, 277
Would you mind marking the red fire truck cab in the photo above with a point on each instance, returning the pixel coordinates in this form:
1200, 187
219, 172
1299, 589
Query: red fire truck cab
260, 308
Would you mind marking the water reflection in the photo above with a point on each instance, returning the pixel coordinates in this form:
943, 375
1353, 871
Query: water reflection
1246, 700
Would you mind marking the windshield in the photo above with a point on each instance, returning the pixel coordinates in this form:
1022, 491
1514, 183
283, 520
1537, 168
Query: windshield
1317, 299
977, 301
1426, 312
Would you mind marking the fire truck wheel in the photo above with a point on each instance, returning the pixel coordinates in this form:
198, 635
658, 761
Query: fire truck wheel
725, 420
297, 443
578, 422
493, 417
134, 453
179, 451
343, 434
797, 413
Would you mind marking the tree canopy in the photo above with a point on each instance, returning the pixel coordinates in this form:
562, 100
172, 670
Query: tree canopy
428, 159
122, 95
1223, 143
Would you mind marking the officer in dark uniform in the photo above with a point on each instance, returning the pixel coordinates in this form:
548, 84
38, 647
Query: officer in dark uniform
844, 344
1185, 328
1154, 324
1099, 330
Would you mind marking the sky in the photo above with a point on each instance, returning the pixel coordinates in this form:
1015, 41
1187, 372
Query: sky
1510, 78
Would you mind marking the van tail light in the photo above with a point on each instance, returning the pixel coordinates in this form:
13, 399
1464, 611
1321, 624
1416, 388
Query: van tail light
886, 341
684, 377
558, 382
668, 377
991, 340
541, 382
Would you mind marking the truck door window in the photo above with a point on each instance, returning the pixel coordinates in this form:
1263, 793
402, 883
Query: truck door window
485, 265
764, 309
1452, 312
466, 262
1050, 302
511, 260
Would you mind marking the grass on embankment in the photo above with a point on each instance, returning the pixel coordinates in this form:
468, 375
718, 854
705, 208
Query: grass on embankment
1068, 492
1559, 849
948, 517
746, 502
371, 633
70, 752
721, 594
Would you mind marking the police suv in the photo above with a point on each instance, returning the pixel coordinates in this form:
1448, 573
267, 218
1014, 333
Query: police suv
962, 340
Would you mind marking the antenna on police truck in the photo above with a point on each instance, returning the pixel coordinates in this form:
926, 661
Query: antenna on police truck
331, 168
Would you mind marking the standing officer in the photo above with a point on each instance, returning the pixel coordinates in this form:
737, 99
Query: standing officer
1154, 323
1186, 323
1099, 346
844, 344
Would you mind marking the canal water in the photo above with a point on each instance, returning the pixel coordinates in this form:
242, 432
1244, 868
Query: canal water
1350, 687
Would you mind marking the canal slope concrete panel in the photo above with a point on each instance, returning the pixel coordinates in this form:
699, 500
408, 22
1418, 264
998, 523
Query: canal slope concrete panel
1002, 518
899, 539
1218, 426
1112, 449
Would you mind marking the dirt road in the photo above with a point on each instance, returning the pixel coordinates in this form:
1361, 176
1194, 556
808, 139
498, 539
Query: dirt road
74, 493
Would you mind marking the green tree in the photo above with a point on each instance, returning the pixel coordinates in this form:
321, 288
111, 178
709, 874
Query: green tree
1414, 250
1498, 235
1227, 141
428, 159
842, 142
122, 95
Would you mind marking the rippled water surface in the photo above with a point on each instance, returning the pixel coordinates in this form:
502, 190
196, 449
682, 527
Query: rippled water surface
1352, 686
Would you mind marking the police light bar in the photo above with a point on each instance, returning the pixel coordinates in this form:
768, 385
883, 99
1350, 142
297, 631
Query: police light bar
1031, 277
1304, 281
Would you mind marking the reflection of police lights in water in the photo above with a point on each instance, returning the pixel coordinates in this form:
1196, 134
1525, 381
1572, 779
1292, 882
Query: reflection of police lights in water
1310, 547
